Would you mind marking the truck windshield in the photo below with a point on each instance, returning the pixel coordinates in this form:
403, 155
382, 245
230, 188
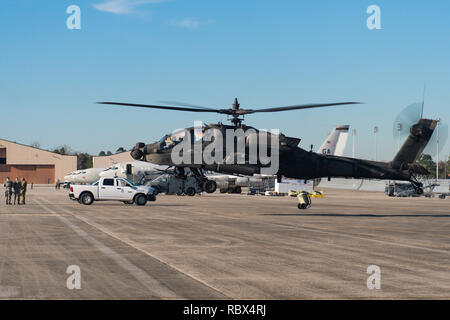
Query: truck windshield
131, 183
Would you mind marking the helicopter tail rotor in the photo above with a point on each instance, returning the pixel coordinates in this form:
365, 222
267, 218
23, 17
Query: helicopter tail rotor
409, 116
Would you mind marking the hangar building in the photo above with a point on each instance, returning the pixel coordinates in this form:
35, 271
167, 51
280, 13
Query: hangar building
33, 164
108, 161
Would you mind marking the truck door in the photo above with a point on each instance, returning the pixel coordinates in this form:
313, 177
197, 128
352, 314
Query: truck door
107, 190
124, 190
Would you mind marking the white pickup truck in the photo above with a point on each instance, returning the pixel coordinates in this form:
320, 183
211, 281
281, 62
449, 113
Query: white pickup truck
119, 189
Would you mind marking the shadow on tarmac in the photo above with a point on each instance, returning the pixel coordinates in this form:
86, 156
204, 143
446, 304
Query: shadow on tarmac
357, 215
149, 204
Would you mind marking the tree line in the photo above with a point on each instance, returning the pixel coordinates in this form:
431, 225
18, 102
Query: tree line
427, 162
84, 160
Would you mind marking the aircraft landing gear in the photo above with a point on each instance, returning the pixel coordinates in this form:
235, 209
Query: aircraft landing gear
418, 186
179, 172
209, 186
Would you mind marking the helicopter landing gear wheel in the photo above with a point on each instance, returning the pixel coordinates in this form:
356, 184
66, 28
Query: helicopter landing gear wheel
209, 186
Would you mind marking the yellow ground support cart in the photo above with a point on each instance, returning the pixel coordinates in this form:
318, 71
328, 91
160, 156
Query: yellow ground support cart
304, 200
317, 194
303, 197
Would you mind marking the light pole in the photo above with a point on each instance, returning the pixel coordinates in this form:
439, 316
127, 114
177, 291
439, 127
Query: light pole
399, 129
437, 147
353, 142
375, 130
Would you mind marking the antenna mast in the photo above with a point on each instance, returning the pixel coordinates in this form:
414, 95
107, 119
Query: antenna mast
423, 99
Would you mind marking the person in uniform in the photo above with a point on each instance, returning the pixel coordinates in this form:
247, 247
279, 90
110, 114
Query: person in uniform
8, 192
16, 188
24, 190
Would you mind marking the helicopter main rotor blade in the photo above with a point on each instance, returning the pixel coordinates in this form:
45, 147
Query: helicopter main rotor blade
297, 107
191, 109
184, 104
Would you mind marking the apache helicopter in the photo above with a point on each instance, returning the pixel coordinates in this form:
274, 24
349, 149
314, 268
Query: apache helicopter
294, 162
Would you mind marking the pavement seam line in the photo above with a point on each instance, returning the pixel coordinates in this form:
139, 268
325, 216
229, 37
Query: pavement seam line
144, 278
96, 226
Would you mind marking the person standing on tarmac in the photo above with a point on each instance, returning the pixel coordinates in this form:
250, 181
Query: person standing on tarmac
16, 186
24, 189
8, 192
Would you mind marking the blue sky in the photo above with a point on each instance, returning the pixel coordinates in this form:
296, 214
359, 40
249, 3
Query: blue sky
266, 53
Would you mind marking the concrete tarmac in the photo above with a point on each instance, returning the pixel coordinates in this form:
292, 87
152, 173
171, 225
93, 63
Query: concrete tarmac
226, 246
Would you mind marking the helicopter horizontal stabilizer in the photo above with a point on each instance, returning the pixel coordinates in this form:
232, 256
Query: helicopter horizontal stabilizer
290, 142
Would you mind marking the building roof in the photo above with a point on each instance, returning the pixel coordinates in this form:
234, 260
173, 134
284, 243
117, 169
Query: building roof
27, 146
107, 161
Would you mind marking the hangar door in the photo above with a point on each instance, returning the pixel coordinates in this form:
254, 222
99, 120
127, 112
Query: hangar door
38, 174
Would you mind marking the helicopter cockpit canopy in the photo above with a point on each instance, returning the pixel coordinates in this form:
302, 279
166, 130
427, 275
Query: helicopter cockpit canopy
195, 134
171, 140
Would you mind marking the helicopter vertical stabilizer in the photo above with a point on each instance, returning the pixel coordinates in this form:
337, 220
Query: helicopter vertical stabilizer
418, 138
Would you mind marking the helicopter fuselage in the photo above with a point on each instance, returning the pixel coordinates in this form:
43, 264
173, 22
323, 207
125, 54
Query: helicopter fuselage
293, 161
239, 149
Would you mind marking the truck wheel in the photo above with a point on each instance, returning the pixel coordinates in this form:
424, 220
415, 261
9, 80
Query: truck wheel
190, 191
209, 186
140, 200
86, 199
